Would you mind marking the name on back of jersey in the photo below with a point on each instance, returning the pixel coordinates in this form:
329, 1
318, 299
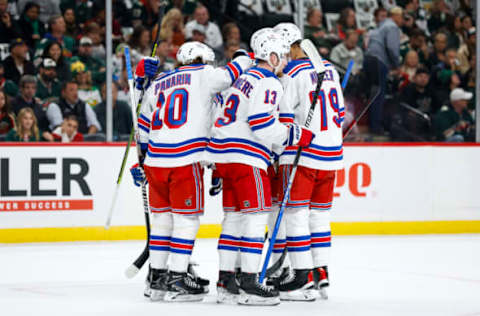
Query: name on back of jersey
328, 76
172, 81
244, 86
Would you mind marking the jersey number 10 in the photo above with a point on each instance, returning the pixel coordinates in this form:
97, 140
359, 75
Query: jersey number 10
176, 109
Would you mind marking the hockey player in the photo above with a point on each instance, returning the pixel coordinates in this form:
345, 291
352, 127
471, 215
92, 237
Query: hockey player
174, 127
241, 144
307, 213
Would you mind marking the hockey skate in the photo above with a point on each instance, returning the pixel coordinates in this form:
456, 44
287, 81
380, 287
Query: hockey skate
320, 278
298, 286
254, 293
199, 280
156, 286
278, 277
182, 288
227, 288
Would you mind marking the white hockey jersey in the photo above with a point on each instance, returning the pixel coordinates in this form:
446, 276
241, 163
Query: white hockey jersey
300, 80
248, 125
176, 113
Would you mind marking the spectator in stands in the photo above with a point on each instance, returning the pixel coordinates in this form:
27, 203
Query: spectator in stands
72, 29
26, 129
17, 63
414, 9
95, 65
382, 56
417, 94
408, 69
212, 32
231, 46
56, 33
68, 131
198, 33
417, 43
48, 86
27, 99
470, 78
7, 122
466, 50
48, 8
8, 27
446, 80
69, 103
122, 114
30, 28
53, 50
172, 27
87, 92
94, 32
8, 86
439, 47
455, 35
99, 18
316, 32
467, 24
379, 15
139, 44
83, 10
139, 13
348, 50
439, 15
454, 123
164, 51
231, 32
346, 21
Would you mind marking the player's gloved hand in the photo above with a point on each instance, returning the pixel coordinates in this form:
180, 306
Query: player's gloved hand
299, 135
146, 71
138, 174
216, 186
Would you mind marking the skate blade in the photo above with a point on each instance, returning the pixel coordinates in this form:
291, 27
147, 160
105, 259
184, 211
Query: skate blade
248, 299
323, 293
230, 299
179, 297
300, 295
156, 295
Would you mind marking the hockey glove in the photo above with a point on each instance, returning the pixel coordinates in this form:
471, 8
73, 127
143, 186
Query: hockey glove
216, 186
299, 136
242, 52
138, 174
145, 72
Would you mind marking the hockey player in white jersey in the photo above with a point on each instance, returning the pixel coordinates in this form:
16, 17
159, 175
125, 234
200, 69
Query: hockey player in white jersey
241, 145
174, 127
307, 213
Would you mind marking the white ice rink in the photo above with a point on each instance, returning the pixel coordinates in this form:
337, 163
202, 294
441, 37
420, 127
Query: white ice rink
375, 275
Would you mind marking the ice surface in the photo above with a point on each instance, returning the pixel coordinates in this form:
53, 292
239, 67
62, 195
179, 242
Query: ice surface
374, 275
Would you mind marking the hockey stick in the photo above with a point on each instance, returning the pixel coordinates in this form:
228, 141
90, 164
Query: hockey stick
278, 264
135, 267
161, 11
317, 62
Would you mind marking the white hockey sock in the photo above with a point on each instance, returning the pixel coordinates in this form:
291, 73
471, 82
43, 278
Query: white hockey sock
251, 244
229, 241
321, 237
298, 237
185, 228
160, 236
280, 240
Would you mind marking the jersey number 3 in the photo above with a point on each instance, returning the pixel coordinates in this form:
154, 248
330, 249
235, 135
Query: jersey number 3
230, 113
176, 110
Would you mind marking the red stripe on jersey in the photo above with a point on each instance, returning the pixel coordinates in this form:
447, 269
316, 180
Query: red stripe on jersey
238, 145
176, 150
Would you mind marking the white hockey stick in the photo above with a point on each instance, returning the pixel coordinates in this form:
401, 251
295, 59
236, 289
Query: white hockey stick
317, 62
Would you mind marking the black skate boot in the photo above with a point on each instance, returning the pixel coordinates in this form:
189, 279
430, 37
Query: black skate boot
182, 288
254, 293
320, 279
275, 279
199, 280
227, 288
298, 286
156, 286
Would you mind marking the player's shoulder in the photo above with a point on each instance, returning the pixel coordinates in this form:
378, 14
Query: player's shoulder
297, 66
261, 74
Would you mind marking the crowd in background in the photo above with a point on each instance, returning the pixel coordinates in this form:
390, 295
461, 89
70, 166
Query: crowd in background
414, 59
